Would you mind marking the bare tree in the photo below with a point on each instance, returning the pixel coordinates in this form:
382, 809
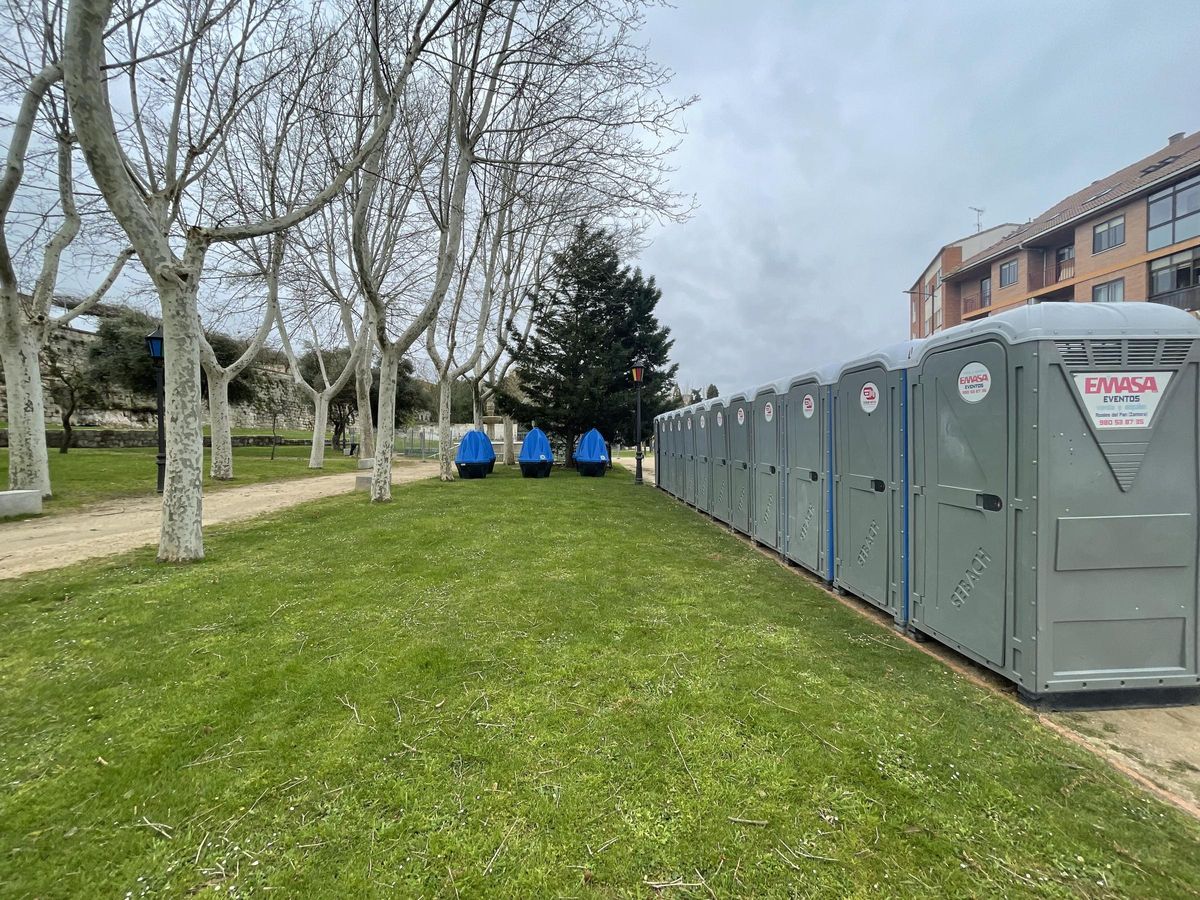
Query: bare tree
325, 385
479, 47
32, 68
191, 68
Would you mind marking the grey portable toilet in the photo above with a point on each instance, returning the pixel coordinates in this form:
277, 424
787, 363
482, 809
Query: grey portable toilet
703, 459
718, 423
767, 465
689, 455
869, 446
659, 431
808, 442
1055, 488
680, 459
672, 467
664, 451
739, 415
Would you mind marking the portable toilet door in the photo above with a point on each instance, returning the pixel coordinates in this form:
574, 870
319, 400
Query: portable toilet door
662, 454
665, 454
741, 414
658, 451
808, 515
718, 418
680, 458
689, 456
767, 466
677, 455
870, 432
703, 461
1055, 473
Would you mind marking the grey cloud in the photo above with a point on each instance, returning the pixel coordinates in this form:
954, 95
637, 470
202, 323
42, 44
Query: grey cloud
837, 146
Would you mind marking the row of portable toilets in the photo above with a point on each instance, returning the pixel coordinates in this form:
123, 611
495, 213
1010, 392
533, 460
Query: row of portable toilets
476, 458
1023, 488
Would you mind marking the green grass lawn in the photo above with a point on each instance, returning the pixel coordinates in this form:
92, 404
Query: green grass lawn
524, 688
90, 476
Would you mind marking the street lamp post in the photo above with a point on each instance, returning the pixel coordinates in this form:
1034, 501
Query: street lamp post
639, 374
154, 345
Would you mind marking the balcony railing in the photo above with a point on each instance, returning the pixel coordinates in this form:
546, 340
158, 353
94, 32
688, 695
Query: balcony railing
970, 304
1052, 272
1188, 298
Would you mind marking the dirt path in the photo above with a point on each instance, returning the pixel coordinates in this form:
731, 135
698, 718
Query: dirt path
34, 545
1162, 744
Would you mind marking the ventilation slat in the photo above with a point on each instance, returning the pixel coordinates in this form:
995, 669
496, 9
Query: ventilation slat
1139, 353
1175, 352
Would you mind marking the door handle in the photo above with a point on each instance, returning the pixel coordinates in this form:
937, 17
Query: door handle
989, 502
877, 485
813, 476
770, 470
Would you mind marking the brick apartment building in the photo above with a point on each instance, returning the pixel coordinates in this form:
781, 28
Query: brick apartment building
1134, 235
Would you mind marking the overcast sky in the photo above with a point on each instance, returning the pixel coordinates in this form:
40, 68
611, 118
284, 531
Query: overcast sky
836, 147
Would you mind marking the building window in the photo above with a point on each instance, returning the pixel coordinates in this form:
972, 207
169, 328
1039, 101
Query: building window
1109, 292
985, 291
1108, 234
1173, 215
1177, 272
1008, 273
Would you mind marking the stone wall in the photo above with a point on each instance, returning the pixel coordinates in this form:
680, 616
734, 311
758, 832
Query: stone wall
111, 439
124, 409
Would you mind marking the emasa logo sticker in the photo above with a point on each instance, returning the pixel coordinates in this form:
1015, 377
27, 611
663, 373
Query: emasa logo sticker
808, 406
868, 397
768, 410
1121, 399
974, 382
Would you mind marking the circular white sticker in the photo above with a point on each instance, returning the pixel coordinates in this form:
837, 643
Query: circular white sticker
769, 411
702, 423
741, 416
868, 397
808, 406
974, 382
720, 419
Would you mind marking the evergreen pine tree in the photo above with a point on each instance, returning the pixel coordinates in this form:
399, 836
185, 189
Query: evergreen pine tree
575, 371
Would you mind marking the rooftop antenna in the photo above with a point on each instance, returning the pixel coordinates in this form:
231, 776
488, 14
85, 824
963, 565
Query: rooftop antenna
978, 218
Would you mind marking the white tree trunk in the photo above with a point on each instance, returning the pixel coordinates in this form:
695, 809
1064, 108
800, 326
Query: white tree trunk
181, 537
28, 463
316, 456
362, 386
510, 450
445, 450
476, 406
221, 427
385, 434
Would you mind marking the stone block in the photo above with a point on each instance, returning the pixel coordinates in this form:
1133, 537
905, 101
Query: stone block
362, 483
368, 463
20, 503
